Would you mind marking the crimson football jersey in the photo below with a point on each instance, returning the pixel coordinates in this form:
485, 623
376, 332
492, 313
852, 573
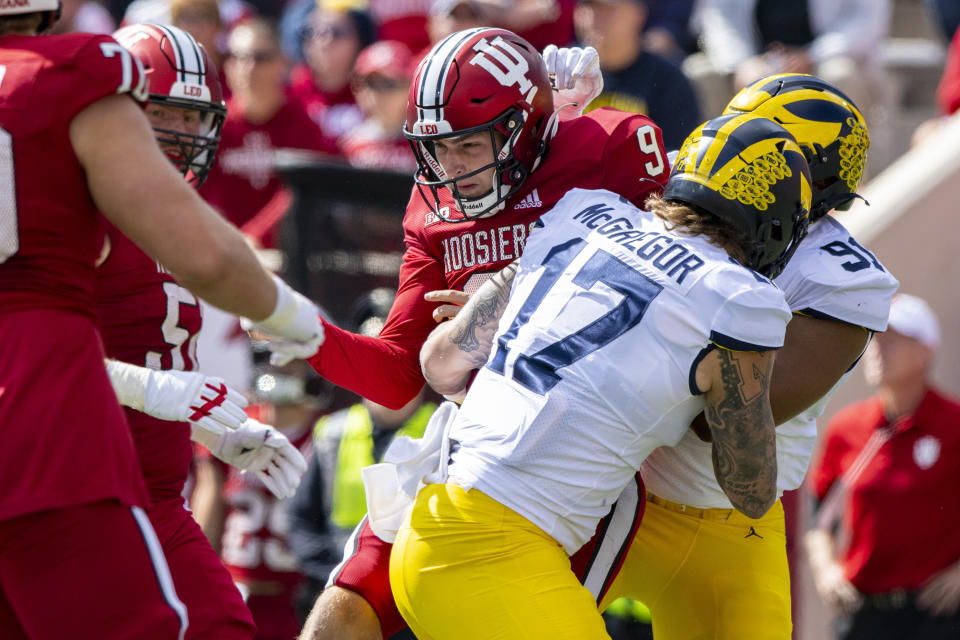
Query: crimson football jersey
254, 545
65, 439
149, 320
605, 149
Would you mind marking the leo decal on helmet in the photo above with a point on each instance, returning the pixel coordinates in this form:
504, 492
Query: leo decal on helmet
181, 75
479, 80
827, 125
749, 171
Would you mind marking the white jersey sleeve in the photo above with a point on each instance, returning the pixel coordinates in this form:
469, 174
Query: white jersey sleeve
832, 276
829, 276
592, 363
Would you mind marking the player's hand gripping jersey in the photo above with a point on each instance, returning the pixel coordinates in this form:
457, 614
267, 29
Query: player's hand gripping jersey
51, 356
627, 310
830, 276
589, 152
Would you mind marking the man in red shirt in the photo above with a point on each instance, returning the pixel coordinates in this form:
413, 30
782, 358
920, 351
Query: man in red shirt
77, 552
481, 120
261, 118
889, 468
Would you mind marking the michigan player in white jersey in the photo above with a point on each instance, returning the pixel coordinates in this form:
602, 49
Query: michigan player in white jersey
621, 326
703, 570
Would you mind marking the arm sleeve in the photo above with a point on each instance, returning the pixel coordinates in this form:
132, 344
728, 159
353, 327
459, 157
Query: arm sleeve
386, 369
105, 68
636, 142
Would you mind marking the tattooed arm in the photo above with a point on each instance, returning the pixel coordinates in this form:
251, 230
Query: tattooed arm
457, 347
737, 388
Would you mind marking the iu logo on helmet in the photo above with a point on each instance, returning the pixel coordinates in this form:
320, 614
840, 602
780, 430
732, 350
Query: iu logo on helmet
505, 64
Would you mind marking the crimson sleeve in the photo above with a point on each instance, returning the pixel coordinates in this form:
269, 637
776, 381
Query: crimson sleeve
386, 369
948, 92
634, 160
103, 67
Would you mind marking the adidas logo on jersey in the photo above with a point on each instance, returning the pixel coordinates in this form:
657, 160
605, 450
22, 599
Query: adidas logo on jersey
532, 200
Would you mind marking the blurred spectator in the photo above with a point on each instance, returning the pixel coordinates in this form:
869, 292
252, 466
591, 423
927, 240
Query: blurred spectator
946, 15
381, 83
450, 16
331, 500
260, 120
745, 40
948, 94
244, 521
667, 30
193, 15
201, 19
87, 16
539, 22
335, 37
889, 467
635, 79
404, 22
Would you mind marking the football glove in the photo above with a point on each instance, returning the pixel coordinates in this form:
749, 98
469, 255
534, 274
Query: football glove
293, 329
179, 396
575, 73
259, 448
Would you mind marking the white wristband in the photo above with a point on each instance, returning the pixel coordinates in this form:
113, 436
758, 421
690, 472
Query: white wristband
286, 306
129, 383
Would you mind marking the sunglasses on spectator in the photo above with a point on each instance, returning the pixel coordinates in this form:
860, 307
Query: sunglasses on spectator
381, 84
256, 57
331, 32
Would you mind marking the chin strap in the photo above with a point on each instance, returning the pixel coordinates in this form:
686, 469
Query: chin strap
832, 203
549, 130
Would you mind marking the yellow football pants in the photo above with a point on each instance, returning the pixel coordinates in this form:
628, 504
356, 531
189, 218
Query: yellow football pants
709, 573
464, 566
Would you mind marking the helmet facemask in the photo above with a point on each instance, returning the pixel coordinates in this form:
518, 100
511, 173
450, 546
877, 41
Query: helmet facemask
508, 175
827, 125
196, 152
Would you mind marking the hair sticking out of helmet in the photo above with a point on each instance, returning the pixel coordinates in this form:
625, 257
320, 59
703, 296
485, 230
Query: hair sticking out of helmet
481, 80
181, 76
827, 125
749, 171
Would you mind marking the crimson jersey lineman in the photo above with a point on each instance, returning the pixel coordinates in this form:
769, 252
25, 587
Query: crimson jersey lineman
149, 320
67, 466
590, 152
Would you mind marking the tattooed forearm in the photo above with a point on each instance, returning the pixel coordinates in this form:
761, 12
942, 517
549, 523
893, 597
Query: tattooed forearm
475, 325
741, 422
457, 347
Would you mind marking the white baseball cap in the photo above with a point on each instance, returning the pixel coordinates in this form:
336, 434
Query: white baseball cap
914, 318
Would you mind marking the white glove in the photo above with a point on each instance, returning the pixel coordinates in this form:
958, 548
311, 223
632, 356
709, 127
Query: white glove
259, 448
576, 74
179, 396
295, 320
